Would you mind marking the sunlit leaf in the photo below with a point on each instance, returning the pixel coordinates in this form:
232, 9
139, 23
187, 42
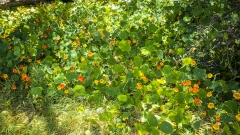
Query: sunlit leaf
166, 127
79, 90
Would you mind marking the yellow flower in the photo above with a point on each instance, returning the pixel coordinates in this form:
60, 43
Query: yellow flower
204, 113
210, 105
209, 94
236, 95
102, 81
161, 63
65, 57
85, 45
193, 63
66, 91
238, 117
90, 54
82, 58
96, 82
74, 43
5, 76
176, 89
216, 126
139, 86
209, 75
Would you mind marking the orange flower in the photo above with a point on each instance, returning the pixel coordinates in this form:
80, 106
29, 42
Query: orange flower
158, 67
48, 30
39, 62
90, 54
197, 100
37, 21
112, 41
188, 82
44, 46
183, 83
21, 66
217, 119
61, 86
195, 89
15, 71
24, 76
56, 41
21, 58
45, 36
139, 86
28, 80
14, 87
196, 85
81, 78
9, 47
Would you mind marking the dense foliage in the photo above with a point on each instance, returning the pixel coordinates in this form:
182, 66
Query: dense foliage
176, 62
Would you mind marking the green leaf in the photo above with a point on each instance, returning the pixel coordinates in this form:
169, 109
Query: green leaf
232, 85
144, 51
119, 68
236, 127
9, 64
34, 38
79, 90
15, 77
154, 131
166, 127
152, 120
196, 124
167, 69
33, 51
48, 60
111, 61
124, 46
106, 116
122, 98
186, 61
225, 118
152, 27
59, 79
180, 97
70, 76
36, 91
197, 11
138, 60
160, 54
230, 106
178, 117
199, 73
113, 91
123, 35
7, 85
16, 51
202, 93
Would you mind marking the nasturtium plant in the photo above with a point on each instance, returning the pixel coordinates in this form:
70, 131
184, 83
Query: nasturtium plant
174, 62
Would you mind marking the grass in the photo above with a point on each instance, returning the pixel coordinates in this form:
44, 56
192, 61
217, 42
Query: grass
62, 116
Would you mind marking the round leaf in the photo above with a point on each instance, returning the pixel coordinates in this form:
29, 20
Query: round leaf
166, 127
